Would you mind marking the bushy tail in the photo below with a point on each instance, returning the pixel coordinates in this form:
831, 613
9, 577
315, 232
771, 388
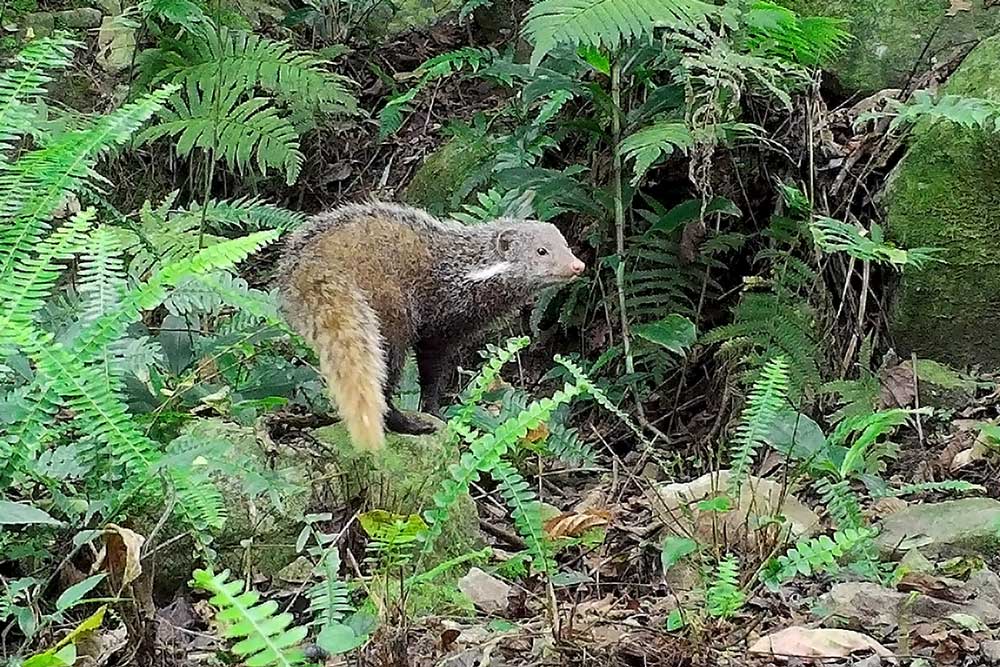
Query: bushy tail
344, 331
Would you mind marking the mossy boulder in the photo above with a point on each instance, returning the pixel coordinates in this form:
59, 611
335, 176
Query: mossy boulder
403, 479
261, 525
894, 38
436, 185
946, 194
269, 488
965, 527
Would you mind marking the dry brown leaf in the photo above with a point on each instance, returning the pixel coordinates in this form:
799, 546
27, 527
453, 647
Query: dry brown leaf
537, 434
899, 387
935, 587
573, 524
124, 550
883, 507
801, 642
958, 6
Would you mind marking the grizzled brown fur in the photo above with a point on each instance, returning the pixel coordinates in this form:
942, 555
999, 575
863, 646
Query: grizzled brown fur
364, 283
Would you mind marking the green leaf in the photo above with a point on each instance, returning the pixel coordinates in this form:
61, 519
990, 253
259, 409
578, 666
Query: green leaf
797, 435
596, 59
72, 595
675, 621
338, 638
716, 504
690, 210
63, 657
674, 549
19, 514
674, 332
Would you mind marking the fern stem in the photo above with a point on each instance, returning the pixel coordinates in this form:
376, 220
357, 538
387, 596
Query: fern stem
619, 212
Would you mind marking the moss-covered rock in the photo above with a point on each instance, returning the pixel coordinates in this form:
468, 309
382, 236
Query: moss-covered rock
965, 527
266, 506
260, 527
403, 479
946, 194
435, 185
891, 36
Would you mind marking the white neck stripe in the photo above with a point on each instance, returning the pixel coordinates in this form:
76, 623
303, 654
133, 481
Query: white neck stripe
489, 271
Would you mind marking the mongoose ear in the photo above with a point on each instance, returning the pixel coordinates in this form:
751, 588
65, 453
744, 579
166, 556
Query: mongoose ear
505, 240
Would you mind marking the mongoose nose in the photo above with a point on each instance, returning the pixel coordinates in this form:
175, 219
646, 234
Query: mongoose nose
577, 267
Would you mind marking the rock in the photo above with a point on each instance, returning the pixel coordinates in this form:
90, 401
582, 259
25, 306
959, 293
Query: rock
403, 478
870, 607
991, 651
436, 184
943, 194
968, 526
115, 44
260, 528
895, 39
760, 499
486, 591
83, 18
40, 24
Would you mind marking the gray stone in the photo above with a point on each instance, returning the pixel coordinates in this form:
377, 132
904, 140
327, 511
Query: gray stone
760, 501
83, 18
116, 45
870, 607
969, 526
991, 651
486, 591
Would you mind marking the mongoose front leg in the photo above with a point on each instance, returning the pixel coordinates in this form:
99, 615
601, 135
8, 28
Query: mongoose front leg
395, 420
431, 359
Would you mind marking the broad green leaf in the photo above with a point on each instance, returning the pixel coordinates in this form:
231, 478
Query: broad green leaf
716, 504
690, 210
64, 657
338, 638
674, 549
20, 514
674, 332
675, 621
76, 592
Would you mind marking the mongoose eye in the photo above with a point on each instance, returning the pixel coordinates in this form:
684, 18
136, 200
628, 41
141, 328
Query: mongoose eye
543, 252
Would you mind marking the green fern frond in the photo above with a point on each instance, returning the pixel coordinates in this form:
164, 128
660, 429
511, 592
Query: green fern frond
266, 639
25, 291
33, 187
244, 133
947, 485
26, 80
527, 514
438, 67
724, 596
247, 214
815, 555
968, 112
606, 23
841, 503
767, 397
651, 144
246, 61
776, 30
836, 236
329, 600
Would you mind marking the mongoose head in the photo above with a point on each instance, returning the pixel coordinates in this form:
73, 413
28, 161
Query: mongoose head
537, 252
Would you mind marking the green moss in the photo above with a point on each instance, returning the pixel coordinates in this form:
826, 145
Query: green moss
891, 36
403, 479
434, 185
946, 194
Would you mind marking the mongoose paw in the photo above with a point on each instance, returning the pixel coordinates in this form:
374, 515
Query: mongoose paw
397, 422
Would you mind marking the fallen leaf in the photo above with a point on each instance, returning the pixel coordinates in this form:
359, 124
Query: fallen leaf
536, 434
899, 387
123, 552
958, 6
801, 642
575, 524
928, 584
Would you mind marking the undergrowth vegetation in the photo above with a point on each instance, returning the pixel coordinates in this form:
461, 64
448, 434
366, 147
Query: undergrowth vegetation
728, 320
